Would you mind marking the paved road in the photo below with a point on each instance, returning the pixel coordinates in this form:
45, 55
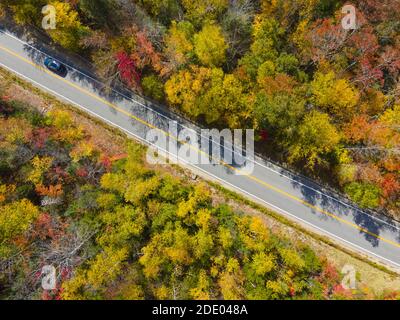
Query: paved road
294, 197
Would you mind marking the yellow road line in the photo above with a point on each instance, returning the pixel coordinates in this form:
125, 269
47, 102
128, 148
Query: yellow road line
79, 88
201, 151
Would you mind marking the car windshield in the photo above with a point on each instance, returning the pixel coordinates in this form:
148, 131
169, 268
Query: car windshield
55, 64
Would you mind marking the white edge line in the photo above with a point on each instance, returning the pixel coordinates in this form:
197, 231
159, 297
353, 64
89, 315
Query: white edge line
207, 173
394, 225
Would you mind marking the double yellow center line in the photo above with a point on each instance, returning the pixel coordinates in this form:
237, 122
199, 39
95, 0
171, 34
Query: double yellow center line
144, 122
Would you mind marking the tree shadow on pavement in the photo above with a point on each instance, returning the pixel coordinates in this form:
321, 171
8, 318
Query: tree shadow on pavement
370, 225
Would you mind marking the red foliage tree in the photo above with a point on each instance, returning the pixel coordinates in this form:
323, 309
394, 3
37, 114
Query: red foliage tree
52, 191
127, 69
44, 227
82, 172
106, 162
390, 185
145, 53
39, 137
326, 39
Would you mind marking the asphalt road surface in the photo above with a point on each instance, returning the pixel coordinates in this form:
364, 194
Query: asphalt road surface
290, 195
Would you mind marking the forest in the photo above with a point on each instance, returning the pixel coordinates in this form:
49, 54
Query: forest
116, 228
323, 100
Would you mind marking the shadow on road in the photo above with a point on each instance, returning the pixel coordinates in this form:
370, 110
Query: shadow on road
373, 224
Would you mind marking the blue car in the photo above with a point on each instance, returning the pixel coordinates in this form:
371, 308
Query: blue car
55, 66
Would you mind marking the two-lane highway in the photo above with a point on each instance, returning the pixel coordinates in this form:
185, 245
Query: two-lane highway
305, 202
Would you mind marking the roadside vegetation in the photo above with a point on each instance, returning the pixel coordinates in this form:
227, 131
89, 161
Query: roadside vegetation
117, 228
323, 100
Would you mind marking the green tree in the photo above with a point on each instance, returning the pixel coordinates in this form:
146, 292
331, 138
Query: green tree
210, 46
266, 41
281, 113
27, 11
164, 10
102, 12
153, 87
367, 195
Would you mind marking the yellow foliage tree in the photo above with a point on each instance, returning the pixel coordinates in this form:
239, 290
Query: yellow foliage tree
152, 258
211, 93
201, 291
67, 131
225, 237
69, 29
179, 44
231, 281
102, 271
210, 46
6, 191
39, 167
114, 182
12, 131
122, 224
15, 220
335, 96
84, 149
204, 10
292, 259
263, 263
106, 267
316, 138
140, 190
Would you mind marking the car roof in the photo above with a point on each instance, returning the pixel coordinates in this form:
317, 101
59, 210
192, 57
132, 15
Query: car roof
52, 61
55, 63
